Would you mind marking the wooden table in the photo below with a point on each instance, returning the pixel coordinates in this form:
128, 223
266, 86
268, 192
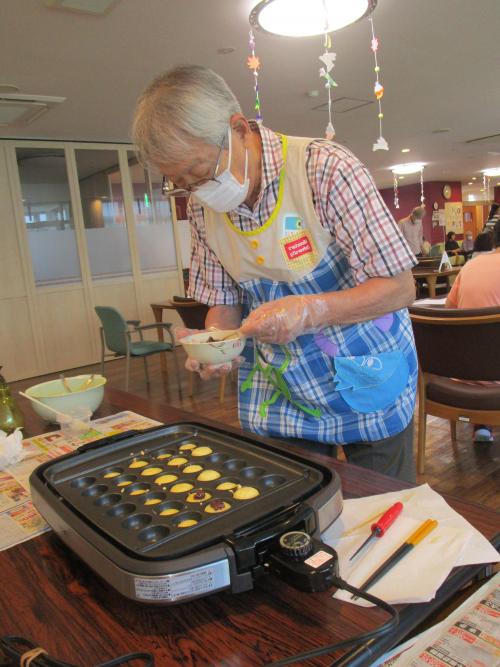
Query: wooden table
431, 275
50, 596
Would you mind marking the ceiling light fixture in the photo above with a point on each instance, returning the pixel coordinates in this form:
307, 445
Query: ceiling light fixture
305, 18
493, 171
474, 178
470, 183
405, 150
408, 168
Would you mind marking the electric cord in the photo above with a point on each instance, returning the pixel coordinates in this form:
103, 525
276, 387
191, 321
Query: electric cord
353, 641
23, 652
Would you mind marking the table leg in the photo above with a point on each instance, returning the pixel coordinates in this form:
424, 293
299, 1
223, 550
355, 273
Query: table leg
158, 315
431, 282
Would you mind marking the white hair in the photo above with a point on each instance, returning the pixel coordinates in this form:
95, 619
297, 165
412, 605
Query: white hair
190, 101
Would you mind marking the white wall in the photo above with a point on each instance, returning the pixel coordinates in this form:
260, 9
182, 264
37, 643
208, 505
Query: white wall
52, 327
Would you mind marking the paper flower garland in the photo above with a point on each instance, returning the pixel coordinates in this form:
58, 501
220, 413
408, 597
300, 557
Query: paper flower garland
253, 63
422, 198
378, 90
328, 59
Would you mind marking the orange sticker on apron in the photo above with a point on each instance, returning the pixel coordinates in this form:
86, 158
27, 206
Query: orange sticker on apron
298, 250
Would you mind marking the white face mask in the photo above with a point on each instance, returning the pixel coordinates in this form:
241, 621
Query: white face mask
227, 193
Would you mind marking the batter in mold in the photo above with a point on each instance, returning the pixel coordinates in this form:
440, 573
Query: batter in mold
188, 446
138, 463
177, 461
208, 476
192, 468
227, 486
246, 493
152, 501
187, 523
167, 478
151, 471
198, 496
111, 474
217, 506
201, 451
169, 511
181, 487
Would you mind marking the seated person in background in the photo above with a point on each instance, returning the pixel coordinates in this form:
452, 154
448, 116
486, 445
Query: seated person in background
467, 244
478, 286
426, 247
483, 244
411, 228
451, 246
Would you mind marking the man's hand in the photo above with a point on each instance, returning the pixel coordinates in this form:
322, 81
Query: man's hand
206, 371
285, 319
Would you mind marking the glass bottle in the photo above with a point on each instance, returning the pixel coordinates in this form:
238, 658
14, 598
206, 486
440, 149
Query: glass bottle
11, 416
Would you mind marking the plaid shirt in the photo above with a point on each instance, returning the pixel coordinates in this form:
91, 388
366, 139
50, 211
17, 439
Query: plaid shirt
346, 201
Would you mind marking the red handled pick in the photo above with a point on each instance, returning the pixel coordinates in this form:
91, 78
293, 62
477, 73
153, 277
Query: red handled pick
379, 527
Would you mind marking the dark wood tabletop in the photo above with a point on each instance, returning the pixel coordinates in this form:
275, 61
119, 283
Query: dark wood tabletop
50, 596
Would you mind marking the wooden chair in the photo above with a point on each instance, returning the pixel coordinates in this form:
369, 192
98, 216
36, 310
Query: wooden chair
116, 335
460, 344
193, 315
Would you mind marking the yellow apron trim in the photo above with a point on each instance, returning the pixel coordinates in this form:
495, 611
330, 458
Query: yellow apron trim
279, 201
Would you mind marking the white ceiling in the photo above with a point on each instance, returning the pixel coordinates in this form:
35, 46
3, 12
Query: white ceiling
439, 65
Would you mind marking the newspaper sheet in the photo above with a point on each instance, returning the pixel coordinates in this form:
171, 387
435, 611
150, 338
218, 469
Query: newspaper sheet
19, 520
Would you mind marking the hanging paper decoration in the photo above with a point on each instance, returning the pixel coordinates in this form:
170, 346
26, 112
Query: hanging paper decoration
253, 63
378, 90
396, 193
422, 198
486, 187
328, 59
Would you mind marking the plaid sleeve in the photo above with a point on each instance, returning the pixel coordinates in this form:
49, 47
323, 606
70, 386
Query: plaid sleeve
209, 282
355, 213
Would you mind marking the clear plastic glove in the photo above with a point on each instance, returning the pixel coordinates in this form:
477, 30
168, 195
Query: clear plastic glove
206, 371
285, 319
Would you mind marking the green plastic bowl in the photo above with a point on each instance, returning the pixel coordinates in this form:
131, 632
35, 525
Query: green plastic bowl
52, 393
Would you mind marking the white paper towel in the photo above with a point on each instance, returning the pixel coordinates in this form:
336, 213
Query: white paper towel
417, 577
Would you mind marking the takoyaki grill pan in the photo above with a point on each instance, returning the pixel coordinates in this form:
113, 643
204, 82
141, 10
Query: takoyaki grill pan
181, 511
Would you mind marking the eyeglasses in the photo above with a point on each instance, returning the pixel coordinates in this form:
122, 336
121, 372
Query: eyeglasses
167, 191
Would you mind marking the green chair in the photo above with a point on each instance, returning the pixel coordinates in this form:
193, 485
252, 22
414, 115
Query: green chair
116, 335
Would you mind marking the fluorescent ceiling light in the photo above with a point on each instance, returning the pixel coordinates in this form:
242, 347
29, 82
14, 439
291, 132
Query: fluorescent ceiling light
405, 150
494, 171
408, 168
304, 18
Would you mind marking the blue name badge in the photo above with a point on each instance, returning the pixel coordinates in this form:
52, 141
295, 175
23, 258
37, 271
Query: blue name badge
292, 223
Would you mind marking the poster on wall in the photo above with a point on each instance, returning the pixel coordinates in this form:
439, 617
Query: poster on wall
454, 217
441, 218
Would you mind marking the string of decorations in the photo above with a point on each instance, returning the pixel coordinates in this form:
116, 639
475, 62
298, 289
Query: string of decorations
486, 187
396, 191
378, 90
328, 59
253, 63
422, 198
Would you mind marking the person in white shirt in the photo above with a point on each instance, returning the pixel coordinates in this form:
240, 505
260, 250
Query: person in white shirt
411, 228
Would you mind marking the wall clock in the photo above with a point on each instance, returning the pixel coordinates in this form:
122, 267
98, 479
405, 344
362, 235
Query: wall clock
446, 191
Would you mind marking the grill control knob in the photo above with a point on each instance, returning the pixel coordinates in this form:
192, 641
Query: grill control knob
296, 544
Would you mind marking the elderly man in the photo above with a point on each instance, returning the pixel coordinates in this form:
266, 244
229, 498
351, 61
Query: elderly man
292, 242
411, 228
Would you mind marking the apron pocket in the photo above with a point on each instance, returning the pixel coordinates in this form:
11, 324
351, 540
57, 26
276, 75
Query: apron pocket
371, 382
